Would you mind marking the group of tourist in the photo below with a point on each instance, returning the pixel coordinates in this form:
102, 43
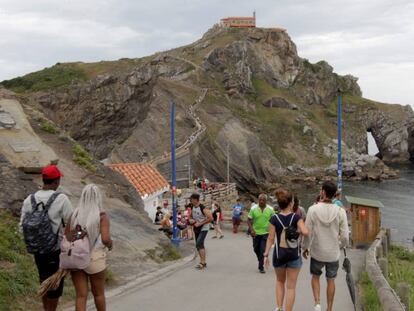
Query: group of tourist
52, 230
293, 233
201, 183
54, 233
319, 234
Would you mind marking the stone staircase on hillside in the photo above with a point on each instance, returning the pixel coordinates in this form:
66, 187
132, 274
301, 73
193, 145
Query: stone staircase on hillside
184, 148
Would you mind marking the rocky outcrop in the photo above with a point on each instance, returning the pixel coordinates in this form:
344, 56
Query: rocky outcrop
102, 112
252, 163
318, 84
124, 115
270, 54
392, 136
18, 142
279, 102
263, 54
15, 186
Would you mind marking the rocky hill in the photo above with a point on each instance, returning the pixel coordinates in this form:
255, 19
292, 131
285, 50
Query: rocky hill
275, 111
29, 141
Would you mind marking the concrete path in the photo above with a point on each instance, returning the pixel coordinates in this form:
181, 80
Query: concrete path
230, 283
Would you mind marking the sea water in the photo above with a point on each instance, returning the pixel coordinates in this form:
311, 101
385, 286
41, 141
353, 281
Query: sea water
397, 196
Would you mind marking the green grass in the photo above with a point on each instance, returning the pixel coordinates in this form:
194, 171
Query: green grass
401, 268
48, 127
19, 280
63, 74
48, 78
369, 294
18, 275
83, 158
165, 253
265, 91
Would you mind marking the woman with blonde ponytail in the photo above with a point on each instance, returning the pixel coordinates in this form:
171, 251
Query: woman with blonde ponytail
91, 217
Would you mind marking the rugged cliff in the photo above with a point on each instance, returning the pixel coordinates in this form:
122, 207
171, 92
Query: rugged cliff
274, 111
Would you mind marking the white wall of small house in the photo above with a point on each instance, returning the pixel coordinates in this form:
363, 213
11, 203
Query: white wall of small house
152, 201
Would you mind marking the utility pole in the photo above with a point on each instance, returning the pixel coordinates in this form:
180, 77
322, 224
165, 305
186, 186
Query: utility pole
339, 160
175, 239
189, 172
228, 167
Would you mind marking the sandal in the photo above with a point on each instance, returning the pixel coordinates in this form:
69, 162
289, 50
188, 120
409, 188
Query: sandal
201, 266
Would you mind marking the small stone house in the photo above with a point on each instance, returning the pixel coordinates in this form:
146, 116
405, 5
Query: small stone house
239, 22
147, 181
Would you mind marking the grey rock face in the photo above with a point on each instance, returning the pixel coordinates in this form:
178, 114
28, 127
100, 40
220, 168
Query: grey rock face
15, 187
318, 84
270, 56
6, 119
125, 116
103, 112
279, 102
393, 138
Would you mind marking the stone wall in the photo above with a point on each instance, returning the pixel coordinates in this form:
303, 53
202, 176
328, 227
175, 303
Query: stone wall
387, 296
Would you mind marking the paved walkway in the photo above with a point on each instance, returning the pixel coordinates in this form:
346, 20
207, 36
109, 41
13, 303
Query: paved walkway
230, 283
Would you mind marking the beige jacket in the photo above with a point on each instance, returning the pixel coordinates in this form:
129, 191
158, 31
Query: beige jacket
328, 226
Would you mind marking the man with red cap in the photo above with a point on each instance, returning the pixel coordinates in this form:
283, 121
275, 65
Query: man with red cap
44, 213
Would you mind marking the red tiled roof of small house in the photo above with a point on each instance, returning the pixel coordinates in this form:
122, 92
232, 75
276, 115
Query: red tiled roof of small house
144, 177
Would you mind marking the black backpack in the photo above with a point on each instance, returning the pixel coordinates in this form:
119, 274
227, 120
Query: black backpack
37, 229
288, 248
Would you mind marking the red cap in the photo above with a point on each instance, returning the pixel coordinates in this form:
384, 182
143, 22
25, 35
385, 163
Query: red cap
51, 172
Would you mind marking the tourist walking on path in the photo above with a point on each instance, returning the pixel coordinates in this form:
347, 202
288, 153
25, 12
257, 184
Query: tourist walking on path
91, 217
236, 215
297, 209
200, 218
337, 199
326, 222
285, 227
43, 215
258, 222
217, 219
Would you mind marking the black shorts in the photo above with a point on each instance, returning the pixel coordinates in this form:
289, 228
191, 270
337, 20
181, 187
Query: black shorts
47, 265
331, 268
200, 236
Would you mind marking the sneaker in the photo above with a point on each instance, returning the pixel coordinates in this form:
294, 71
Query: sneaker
317, 307
279, 309
262, 271
222, 236
214, 237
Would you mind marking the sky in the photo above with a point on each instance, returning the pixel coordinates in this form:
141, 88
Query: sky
370, 39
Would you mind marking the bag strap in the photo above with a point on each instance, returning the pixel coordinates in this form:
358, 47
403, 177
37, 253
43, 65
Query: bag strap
276, 246
33, 201
51, 200
280, 221
291, 220
35, 204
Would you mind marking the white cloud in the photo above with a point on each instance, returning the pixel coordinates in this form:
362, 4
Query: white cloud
371, 39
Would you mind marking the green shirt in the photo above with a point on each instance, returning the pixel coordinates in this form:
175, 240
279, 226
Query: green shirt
261, 220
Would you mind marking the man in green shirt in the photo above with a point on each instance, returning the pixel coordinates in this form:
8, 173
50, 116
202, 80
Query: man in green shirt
258, 222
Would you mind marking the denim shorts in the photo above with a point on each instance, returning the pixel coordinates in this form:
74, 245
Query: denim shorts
294, 264
330, 267
200, 237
